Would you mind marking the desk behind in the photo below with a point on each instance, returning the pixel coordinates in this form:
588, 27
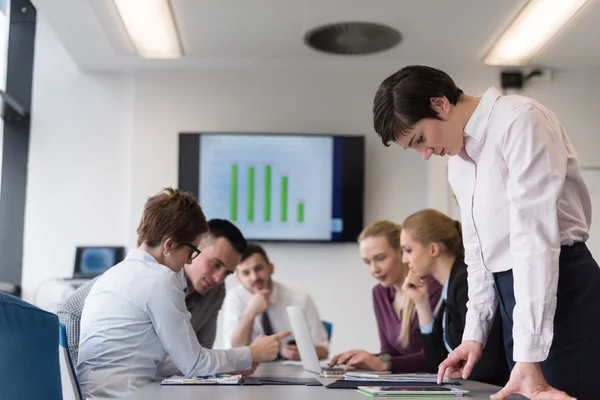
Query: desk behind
154, 391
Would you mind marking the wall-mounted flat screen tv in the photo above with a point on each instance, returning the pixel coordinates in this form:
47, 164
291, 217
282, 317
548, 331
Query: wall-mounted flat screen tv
278, 187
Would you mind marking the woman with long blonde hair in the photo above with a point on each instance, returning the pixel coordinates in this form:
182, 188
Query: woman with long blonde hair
401, 349
432, 247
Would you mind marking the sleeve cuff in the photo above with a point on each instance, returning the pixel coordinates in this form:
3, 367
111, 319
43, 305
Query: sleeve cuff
475, 330
530, 348
243, 357
427, 329
167, 368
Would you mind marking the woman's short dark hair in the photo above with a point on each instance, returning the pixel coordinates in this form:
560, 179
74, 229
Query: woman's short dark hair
404, 98
171, 213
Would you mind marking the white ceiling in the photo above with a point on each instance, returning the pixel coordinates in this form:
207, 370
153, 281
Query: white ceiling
230, 33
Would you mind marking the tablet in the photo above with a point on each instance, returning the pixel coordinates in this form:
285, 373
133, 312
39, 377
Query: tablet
395, 391
387, 376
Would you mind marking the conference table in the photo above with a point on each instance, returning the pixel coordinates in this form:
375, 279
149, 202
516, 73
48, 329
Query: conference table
154, 391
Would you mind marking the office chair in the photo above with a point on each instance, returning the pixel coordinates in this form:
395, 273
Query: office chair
29, 363
328, 328
10, 288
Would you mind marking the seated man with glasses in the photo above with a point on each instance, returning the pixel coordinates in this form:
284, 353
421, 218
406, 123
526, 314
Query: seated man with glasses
202, 282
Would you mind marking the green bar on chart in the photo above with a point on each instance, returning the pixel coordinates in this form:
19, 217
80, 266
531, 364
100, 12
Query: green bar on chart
283, 206
300, 212
267, 199
250, 203
233, 178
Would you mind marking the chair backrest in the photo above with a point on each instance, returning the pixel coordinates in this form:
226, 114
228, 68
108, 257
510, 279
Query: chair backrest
68, 378
328, 328
10, 288
29, 362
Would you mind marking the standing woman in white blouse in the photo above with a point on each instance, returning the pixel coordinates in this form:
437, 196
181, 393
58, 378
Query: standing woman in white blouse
526, 215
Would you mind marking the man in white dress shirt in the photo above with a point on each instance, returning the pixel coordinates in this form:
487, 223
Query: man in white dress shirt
258, 306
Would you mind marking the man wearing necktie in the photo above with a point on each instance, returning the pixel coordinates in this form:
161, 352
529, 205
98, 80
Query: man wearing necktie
259, 307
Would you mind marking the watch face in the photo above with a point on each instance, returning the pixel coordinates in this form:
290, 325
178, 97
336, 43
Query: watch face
385, 357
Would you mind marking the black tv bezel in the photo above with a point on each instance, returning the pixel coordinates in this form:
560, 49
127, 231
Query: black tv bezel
353, 179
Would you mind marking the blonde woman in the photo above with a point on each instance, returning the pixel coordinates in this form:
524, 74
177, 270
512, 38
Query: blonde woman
401, 349
432, 247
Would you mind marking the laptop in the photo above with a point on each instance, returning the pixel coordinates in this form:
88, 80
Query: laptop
91, 261
306, 346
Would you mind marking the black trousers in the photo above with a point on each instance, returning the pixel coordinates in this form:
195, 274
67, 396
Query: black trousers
574, 355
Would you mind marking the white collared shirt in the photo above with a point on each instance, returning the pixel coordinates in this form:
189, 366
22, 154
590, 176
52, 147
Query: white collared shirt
282, 296
134, 316
522, 196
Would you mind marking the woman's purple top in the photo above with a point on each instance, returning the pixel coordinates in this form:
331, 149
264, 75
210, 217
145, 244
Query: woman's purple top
411, 358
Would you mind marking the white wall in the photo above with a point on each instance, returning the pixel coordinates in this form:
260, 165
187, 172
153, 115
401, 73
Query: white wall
102, 144
79, 165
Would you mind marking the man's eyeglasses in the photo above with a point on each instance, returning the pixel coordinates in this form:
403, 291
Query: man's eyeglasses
194, 251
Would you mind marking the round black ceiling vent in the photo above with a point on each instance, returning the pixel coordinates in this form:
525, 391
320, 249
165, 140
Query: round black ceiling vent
353, 38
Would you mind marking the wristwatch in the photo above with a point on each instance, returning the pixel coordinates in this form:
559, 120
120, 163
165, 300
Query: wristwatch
386, 358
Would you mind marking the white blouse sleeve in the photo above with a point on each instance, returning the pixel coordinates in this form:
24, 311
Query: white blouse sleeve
171, 321
536, 158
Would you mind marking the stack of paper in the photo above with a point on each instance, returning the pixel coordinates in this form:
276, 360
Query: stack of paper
413, 378
203, 380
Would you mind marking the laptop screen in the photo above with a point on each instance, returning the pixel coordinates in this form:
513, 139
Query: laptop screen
303, 338
94, 261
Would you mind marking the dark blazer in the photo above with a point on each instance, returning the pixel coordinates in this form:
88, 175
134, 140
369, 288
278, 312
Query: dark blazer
493, 366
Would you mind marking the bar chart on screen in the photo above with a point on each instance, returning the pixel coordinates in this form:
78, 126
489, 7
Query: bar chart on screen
250, 207
269, 187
